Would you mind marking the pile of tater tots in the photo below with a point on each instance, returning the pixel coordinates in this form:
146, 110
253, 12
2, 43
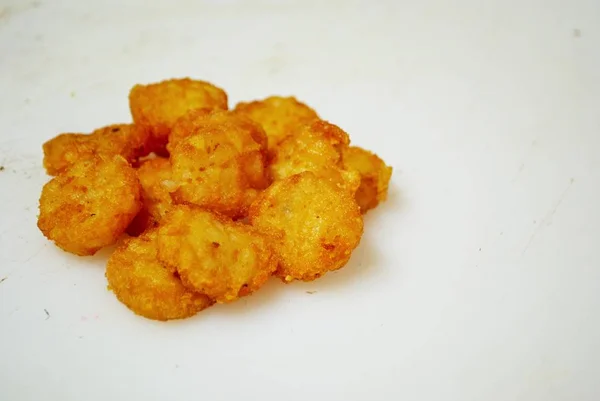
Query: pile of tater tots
206, 203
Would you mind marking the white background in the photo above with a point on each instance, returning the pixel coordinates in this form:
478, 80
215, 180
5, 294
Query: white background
479, 279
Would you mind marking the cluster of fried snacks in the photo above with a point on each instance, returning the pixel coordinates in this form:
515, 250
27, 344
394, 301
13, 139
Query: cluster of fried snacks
212, 201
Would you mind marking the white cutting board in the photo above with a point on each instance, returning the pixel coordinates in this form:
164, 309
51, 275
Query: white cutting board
478, 280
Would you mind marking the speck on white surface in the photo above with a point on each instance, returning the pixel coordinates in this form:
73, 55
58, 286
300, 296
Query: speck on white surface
479, 279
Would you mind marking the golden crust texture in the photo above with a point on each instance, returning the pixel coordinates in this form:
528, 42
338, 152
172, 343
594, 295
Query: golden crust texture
221, 166
146, 287
88, 206
214, 255
204, 119
315, 225
127, 140
155, 178
158, 106
375, 176
315, 147
279, 116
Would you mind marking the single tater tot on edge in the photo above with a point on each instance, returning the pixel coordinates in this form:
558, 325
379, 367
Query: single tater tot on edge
213, 255
146, 286
375, 176
127, 140
158, 106
315, 225
221, 167
89, 205
279, 116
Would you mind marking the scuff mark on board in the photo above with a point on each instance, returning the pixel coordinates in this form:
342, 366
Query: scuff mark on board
547, 220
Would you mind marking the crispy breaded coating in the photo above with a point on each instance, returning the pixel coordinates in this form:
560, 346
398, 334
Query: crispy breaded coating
214, 255
188, 124
89, 205
221, 166
201, 119
314, 147
127, 140
315, 225
146, 286
155, 178
279, 116
375, 176
157, 106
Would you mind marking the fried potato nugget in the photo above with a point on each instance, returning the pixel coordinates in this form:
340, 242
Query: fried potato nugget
127, 140
145, 286
157, 106
375, 176
315, 147
155, 178
88, 206
315, 225
201, 119
221, 166
213, 255
279, 116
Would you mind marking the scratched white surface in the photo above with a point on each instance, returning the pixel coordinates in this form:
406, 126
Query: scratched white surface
479, 279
